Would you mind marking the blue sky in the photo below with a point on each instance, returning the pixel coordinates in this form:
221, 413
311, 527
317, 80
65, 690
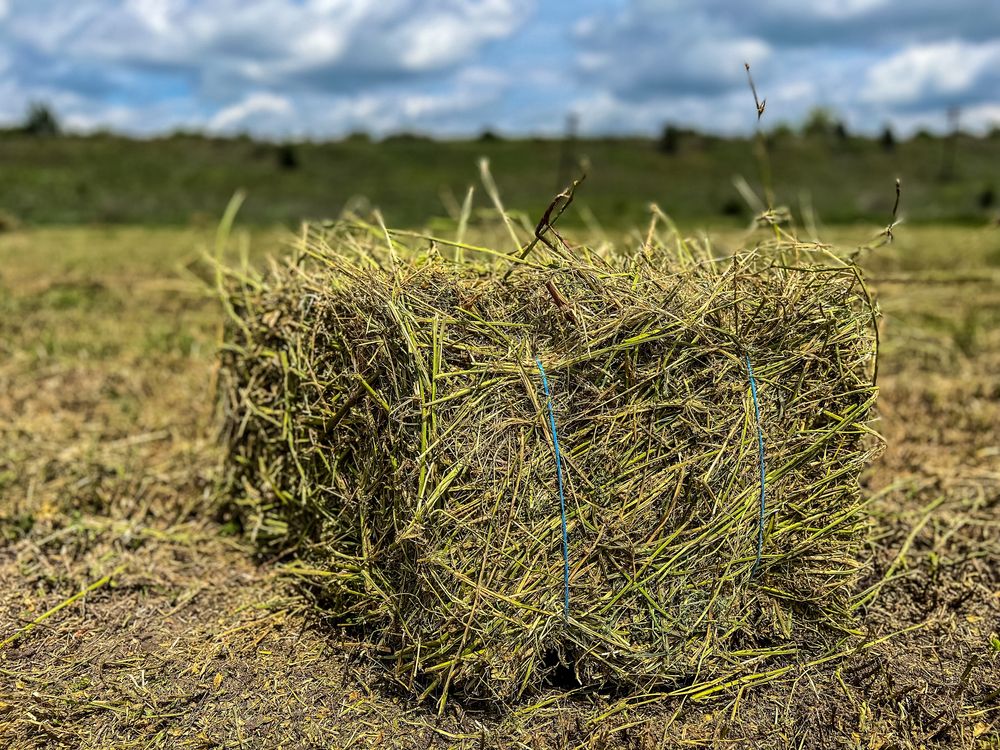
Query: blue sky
316, 68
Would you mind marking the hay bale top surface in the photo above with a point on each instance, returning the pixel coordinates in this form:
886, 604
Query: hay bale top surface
386, 421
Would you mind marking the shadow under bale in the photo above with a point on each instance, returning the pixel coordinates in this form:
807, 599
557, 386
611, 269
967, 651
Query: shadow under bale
386, 422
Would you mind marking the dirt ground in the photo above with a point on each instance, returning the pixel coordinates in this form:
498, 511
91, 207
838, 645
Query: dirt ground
132, 614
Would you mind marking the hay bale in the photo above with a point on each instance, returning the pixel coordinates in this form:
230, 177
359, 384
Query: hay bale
385, 420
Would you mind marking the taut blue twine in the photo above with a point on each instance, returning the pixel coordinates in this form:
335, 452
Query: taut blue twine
562, 496
763, 471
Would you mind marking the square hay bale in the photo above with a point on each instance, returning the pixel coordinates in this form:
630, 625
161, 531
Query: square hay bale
386, 422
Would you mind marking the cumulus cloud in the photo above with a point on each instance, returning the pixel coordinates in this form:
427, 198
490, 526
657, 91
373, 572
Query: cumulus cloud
934, 75
642, 53
237, 59
982, 117
325, 67
867, 59
446, 109
834, 23
343, 43
260, 105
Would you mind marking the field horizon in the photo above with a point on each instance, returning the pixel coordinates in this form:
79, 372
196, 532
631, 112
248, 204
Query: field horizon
696, 178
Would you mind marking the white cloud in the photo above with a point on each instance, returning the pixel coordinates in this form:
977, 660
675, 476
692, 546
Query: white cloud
605, 112
157, 14
258, 105
325, 67
932, 72
982, 117
824, 9
270, 40
640, 52
868, 60
380, 111
273, 66
836, 23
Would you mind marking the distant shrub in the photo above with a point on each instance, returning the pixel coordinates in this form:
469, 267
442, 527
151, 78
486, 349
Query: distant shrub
670, 140
288, 156
489, 136
887, 139
987, 198
41, 121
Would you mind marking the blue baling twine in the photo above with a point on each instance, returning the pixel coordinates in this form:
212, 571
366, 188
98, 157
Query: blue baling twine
763, 471
562, 496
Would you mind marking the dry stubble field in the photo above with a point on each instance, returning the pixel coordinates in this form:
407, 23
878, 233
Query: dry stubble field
185, 639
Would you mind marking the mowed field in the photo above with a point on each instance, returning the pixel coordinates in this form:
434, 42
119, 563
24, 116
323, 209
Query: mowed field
181, 179
133, 614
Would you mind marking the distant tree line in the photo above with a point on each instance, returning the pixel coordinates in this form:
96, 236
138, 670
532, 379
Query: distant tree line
821, 122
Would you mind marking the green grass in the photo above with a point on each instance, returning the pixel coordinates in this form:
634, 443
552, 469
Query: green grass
189, 179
